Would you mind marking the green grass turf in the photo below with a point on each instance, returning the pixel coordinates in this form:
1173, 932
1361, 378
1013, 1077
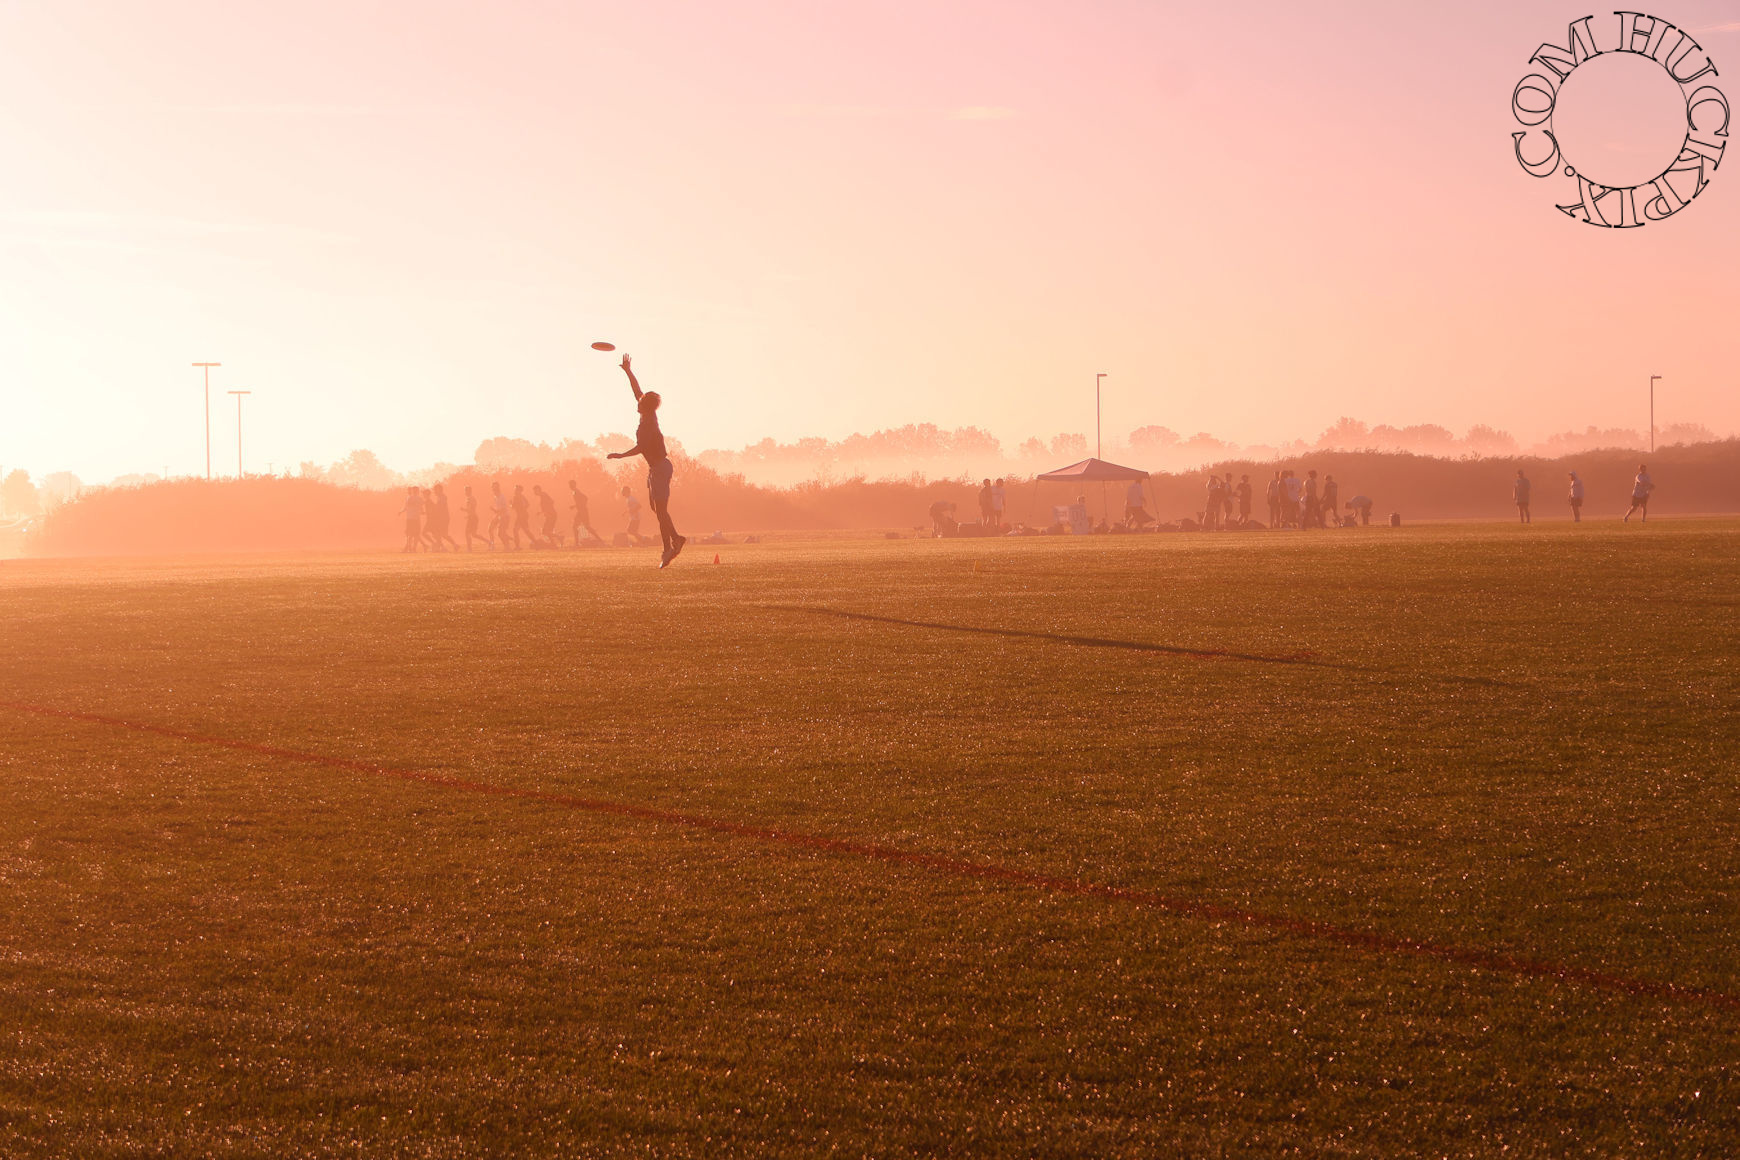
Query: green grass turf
1515, 740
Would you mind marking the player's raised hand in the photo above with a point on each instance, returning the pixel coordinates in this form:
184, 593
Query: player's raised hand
625, 362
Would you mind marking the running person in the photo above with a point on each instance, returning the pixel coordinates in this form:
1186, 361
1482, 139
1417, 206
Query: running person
649, 442
522, 517
469, 507
547, 510
498, 519
582, 520
440, 520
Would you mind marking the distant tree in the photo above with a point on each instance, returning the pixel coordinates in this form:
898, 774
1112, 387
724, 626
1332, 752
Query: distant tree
1069, 446
1150, 439
18, 495
1484, 440
504, 454
1684, 433
1033, 449
1346, 434
58, 487
362, 468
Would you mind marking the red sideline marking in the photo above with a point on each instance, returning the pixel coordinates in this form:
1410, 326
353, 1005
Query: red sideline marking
1371, 941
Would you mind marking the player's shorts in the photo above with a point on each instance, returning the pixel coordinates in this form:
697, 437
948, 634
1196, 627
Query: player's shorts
658, 482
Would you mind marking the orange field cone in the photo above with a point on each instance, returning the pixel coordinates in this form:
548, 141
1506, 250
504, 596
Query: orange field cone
715, 557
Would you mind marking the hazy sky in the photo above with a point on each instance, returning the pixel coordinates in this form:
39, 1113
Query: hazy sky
400, 225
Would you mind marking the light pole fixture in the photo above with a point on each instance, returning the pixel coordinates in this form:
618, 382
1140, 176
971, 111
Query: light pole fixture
1652, 380
208, 367
238, 395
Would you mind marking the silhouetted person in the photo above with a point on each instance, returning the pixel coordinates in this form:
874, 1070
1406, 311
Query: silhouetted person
942, 518
999, 500
1243, 494
1331, 498
522, 516
1576, 499
632, 507
1519, 491
1311, 514
649, 443
429, 520
1640, 489
547, 514
469, 507
1361, 506
1136, 505
1292, 499
1273, 495
578, 505
985, 504
442, 520
413, 513
498, 515
1212, 504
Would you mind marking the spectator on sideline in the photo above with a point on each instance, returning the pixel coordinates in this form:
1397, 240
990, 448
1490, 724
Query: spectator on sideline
1211, 514
1640, 489
1520, 493
1576, 498
1136, 505
985, 512
1292, 495
1361, 506
1274, 497
1243, 494
999, 500
1311, 514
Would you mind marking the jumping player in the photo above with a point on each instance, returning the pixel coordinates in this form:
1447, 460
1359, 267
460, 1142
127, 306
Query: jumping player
649, 442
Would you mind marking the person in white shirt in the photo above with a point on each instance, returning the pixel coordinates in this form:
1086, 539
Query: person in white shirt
999, 500
1576, 499
1136, 505
1640, 489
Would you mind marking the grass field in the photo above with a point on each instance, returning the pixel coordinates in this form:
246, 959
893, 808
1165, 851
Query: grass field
1387, 843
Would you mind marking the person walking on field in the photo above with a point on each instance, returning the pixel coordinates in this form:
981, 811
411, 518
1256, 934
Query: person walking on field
1519, 492
413, 513
649, 442
1576, 498
1273, 494
1640, 489
582, 520
522, 516
469, 507
498, 517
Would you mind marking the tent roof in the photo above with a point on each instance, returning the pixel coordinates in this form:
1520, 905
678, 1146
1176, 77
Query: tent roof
1093, 471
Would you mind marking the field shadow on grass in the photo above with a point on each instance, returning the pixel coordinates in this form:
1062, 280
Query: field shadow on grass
1303, 658
1298, 658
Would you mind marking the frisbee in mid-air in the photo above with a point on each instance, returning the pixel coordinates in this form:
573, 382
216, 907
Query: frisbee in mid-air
604, 346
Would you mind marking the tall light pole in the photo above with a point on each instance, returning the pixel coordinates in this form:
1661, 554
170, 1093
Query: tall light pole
1652, 380
238, 395
208, 367
1097, 379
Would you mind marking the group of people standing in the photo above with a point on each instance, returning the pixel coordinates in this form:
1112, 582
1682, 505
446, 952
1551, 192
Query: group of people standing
1293, 502
427, 513
1641, 487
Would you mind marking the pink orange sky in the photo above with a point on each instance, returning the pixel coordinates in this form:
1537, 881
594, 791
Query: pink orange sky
400, 225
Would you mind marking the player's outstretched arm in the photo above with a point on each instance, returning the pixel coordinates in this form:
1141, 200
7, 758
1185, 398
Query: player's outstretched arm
633, 383
629, 454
